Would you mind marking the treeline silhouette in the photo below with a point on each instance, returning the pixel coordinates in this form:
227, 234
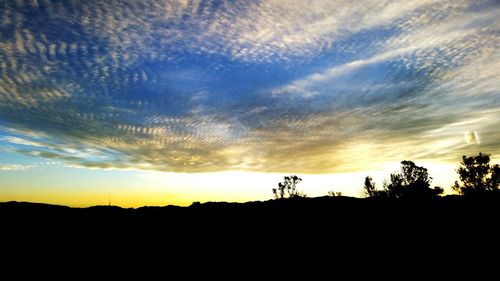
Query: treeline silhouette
476, 175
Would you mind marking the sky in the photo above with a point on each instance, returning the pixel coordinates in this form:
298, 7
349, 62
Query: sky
157, 102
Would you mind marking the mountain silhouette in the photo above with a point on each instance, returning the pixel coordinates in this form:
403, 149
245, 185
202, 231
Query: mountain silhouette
314, 231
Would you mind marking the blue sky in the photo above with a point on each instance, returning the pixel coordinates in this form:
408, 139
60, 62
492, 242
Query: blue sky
308, 87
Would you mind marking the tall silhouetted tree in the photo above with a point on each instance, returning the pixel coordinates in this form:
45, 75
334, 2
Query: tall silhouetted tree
477, 176
369, 187
288, 188
411, 182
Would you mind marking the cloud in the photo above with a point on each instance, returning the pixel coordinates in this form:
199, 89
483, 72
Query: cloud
270, 30
243, 30
274, 86
46, 154
22, 141
472, 137
14, 167
452, 37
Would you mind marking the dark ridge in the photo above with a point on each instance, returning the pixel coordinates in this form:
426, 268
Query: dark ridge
30, 205
340, 228
279, 211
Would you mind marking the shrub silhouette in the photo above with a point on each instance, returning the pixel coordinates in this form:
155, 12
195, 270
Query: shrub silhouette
412, 182
369, 189
477, 176
332, 193
288, 188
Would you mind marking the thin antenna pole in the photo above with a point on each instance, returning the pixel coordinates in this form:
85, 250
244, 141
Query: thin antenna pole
109, 202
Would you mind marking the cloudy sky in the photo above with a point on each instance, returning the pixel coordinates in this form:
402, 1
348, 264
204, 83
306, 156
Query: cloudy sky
164, 101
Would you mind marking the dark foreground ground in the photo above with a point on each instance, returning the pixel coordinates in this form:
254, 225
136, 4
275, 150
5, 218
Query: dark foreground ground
324, 216
349, 229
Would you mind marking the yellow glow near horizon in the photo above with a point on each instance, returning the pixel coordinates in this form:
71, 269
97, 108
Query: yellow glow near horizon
152, 188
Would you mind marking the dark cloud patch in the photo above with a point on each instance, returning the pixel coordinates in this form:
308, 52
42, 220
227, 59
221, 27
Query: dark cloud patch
46, 154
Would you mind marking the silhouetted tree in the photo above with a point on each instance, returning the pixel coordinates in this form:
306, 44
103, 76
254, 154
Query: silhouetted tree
369, 189
288, 188
477, 176
411, 182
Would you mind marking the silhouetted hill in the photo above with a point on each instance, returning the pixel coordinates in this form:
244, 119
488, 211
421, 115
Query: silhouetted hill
307, 205
319, 219
337, 228
294, 210
14, 205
